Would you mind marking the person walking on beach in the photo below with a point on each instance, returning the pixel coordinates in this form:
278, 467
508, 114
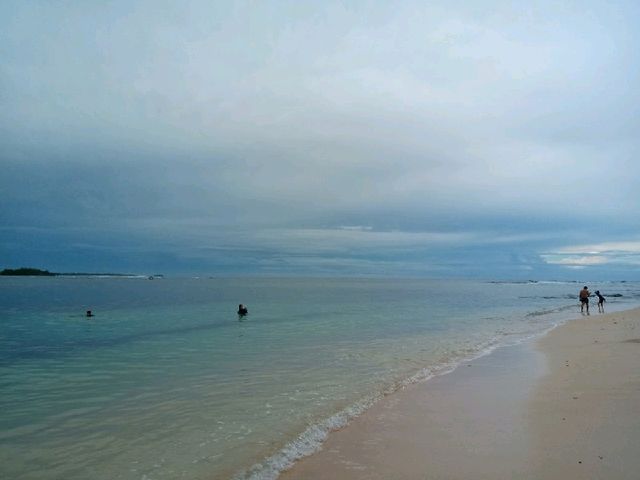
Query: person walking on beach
584, 299
601, 301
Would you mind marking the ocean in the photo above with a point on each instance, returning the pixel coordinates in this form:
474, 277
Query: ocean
166, 381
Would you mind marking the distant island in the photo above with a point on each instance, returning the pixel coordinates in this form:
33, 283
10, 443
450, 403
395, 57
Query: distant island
36, 272
27, 271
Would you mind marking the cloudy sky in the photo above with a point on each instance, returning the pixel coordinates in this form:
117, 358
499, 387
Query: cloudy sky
455, 138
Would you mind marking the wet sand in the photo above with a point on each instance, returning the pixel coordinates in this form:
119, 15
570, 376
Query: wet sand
565, 406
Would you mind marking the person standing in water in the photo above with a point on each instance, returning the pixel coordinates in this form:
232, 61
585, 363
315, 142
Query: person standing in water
601, 301
584, 299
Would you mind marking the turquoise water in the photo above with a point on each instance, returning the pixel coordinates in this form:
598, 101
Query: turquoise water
167, 382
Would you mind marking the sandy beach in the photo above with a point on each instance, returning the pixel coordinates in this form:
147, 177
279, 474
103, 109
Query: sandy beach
564, 406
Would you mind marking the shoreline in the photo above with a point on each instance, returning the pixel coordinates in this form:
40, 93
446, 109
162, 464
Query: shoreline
375, 443
311, 441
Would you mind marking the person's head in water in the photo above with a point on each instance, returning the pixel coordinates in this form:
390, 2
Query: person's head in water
89, 314
242, 310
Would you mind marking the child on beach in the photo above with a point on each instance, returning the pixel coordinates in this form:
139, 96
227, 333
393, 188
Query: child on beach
601, 301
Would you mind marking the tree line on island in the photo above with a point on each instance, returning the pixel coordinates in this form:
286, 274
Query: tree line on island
36, 272
27, 271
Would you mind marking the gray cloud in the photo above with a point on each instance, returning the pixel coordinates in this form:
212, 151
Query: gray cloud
467, 138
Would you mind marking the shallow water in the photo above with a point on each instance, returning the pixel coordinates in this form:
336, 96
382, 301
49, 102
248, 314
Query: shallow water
167, 382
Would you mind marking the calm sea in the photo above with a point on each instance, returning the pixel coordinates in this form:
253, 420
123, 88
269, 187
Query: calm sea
166, 382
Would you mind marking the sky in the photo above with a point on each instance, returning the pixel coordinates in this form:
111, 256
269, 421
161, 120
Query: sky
481, 139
